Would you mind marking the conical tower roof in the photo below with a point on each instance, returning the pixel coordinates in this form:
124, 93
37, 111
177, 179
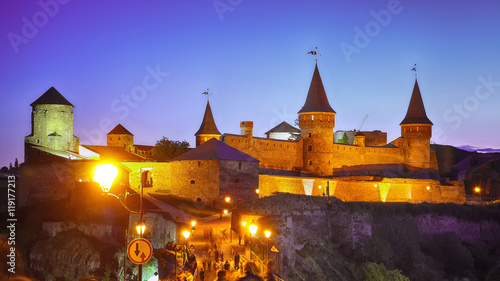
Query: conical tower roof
208, 125
316, 100
416, 110
119, 130
52, 96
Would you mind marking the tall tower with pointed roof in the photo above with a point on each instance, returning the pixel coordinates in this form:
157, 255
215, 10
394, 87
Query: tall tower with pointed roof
416, 132
208, 129
316, 122
52, 123
120, 137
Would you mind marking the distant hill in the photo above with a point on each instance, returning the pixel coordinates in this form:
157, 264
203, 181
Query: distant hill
471, 166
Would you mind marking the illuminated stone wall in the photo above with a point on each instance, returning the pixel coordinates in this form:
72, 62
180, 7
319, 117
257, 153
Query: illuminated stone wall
272, 154
124, 141
238, 179
365, 188
52, 127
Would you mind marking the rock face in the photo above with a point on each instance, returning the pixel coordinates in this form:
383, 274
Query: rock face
425, 241
69, 255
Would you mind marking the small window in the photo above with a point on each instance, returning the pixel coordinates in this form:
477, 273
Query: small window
310, 148
199, 163
239, 166
310, 134
37, 140
192, 182
110, 138
310, 162
119, 138
198, 200
237, 180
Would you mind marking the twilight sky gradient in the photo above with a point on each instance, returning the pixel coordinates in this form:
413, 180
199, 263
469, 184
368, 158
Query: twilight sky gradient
252, 56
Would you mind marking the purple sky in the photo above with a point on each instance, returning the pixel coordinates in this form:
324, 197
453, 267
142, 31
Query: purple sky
252, 56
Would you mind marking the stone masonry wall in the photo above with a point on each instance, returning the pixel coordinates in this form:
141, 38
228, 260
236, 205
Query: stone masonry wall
273, 154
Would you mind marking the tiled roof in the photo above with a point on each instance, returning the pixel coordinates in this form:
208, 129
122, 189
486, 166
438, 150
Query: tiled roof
208, 124
114, 153
214, 149
416, 110
52, 96
283, 127
119, 130
316, 100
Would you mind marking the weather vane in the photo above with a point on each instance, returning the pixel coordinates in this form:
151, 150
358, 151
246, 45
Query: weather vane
206, 93
315, 53
415, 69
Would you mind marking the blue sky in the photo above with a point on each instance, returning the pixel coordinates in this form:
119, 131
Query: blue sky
252, 55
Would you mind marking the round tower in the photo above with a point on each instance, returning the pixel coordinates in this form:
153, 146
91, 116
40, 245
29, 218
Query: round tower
52, 123
316, 122
416, 132
208, 129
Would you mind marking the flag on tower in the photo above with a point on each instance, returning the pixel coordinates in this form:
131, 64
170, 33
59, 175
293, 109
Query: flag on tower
205, 93
414, 68
312, 52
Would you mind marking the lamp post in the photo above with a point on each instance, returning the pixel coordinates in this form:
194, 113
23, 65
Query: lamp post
253, 230
105, 175
430, 193
267, 233
229, 200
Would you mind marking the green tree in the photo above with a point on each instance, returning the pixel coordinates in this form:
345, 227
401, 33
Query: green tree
166, 149
344, 139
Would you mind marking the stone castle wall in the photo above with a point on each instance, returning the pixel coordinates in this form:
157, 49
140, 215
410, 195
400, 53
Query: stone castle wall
273, 154
365, 188
238, 179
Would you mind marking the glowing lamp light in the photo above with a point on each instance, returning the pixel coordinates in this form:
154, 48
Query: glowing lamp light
375, 185
193, 223
105, 174
225, 212
244, 223
477, 189
228, 199
320, 187
428, 188
267, 233
257, 191
140, 229
186, 234
253, 228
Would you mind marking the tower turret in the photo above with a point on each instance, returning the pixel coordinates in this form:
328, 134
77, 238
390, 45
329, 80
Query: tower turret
52, 122
208, 129
316, 122
120, 137
416, 132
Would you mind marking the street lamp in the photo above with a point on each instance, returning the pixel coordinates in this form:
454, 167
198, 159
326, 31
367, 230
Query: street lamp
105, 175
257, 191
193, 223
253, 228
267, 233
186, 234
140, 229
225, 211
478, 191
244, 223
229, 200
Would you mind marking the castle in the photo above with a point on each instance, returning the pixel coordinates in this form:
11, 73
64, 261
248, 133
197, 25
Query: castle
304, 160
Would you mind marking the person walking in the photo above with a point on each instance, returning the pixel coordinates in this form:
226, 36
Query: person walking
250, 272
270, 275
221, 276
